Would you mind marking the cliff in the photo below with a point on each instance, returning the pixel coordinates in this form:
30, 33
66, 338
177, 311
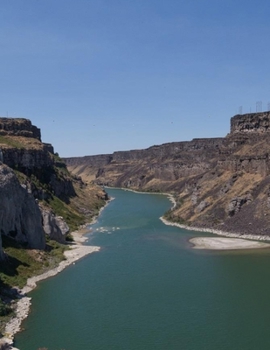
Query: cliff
39, 197
20, 217
153, 169
19, 127
220, 183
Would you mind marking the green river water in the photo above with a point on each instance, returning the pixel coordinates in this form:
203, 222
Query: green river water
148, 289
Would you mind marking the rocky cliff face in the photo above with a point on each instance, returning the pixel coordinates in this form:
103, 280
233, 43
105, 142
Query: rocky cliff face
2, 254
219, 183
20, 217
54, 226
252, 122
22, 150
155, 168
27, 160
36, 188
19, 127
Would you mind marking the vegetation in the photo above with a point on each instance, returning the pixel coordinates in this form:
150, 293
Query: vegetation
20, 142
24, 263
5, 309
19, 266
20, 176
53, 186
170, 216
72, 217
12, 142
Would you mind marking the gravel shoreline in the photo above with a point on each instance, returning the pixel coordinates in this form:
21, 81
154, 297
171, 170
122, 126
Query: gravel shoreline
217, 232
226, 243
77, 251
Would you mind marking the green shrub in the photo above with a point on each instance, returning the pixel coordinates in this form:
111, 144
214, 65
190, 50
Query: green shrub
4, 309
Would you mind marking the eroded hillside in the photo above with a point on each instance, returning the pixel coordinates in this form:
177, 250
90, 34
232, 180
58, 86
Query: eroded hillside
39, 197
220, 183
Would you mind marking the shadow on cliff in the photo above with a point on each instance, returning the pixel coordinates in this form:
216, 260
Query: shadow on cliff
11, 266
12, 263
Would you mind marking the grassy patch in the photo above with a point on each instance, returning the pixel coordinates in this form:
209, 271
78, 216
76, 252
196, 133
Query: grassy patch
20, 176
12, 142
24, 263
72, 217
20, 142
20, 265
170, 216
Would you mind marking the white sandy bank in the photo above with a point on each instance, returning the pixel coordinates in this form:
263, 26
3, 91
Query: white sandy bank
218, 232
225, 243
229, 240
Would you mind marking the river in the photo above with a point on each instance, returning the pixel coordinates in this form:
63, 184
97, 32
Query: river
148, 289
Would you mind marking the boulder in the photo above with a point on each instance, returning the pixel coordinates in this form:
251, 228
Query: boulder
54, 226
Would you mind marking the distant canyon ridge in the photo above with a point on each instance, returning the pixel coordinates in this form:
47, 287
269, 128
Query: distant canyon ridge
218, 183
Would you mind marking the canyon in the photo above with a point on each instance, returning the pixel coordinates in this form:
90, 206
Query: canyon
218, 183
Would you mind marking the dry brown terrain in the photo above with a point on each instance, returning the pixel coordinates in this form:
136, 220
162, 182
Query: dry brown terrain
220, 183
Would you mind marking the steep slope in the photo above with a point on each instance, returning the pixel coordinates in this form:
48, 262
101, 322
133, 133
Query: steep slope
39, 197
154, 169
220, 183
20, 217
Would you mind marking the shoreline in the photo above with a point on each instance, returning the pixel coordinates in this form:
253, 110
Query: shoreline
76, 252
209, 230
226, 243
217, 232
199, 229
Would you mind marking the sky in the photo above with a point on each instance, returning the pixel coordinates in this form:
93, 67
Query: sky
98, 76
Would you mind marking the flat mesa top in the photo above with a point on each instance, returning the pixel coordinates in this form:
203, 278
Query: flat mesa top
225, 243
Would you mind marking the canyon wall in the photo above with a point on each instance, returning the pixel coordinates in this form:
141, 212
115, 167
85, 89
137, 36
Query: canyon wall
20, 217
220, 183
35, 186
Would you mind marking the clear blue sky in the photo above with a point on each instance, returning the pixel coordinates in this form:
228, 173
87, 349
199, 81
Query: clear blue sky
98, 76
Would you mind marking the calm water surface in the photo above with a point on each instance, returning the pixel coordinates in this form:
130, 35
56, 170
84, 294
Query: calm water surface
147, 289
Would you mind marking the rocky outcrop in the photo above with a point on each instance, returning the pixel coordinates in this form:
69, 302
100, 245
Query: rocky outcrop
22, 150
28, 160
203, 205
20, 217
54, 226
62, 186
252, 122
4, 345
38, 177
236, 204
19, 127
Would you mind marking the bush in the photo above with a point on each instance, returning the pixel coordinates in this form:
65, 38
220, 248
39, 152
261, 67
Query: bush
4, 309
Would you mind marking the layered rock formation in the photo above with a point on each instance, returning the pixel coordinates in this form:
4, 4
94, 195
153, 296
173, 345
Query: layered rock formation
155, 168
19, 127
20, 217
252, 122
32, 179
220, 183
